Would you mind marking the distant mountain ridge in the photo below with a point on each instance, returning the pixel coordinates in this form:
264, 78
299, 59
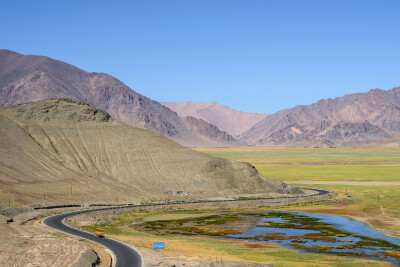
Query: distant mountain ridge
229, 120
27, 78
362, 119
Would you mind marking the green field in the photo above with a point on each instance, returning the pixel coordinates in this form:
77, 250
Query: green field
296, 164
271, 155
382, 173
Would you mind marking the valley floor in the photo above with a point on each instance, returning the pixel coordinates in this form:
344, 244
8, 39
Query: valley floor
202, 250
370, 176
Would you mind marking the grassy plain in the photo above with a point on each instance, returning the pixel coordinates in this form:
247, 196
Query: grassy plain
273, 155
297, 164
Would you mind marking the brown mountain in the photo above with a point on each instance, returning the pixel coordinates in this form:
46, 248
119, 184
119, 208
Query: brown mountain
227, 119
62, 150
208, 130
371, 118
26, 78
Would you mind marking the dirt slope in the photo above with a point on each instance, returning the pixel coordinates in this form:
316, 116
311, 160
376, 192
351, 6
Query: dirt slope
28, 78
62, 150
227, 119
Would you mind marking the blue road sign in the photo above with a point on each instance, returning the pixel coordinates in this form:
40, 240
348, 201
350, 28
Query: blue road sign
158, 245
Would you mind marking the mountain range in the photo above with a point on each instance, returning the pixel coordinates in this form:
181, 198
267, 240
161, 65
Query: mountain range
28, 78
363, 119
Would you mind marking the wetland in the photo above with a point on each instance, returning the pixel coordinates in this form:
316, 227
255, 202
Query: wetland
309, 233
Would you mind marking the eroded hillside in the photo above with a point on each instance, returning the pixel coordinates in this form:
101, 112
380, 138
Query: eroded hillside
63, 150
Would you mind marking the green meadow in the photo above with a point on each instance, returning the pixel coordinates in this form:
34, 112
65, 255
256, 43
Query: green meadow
298, 164
358, 172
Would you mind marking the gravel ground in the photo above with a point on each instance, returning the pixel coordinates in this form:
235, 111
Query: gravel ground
27, 242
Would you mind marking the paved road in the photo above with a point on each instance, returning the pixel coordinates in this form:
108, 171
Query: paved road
125, 255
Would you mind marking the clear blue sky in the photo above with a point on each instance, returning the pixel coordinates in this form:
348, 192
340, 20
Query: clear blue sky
255, 56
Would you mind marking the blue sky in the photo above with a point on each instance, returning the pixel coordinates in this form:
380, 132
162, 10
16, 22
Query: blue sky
255, 56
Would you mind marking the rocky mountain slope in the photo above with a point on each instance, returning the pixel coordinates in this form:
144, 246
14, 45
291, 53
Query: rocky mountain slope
208, 130
63, 151
25, 78
229, 120
363, 119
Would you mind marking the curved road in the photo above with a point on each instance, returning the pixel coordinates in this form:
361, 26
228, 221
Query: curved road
125, 255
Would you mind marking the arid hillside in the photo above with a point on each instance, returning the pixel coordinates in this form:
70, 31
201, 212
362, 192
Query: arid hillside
65, 151
365, 119
229, 120
28, 78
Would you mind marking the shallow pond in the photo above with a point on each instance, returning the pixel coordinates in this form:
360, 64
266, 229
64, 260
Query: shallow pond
305, 232
324, 234
360, 228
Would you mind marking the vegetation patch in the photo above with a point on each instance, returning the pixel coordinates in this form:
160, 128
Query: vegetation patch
319, 237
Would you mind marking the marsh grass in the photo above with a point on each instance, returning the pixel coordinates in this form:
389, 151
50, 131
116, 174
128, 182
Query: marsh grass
228, 250
206, 226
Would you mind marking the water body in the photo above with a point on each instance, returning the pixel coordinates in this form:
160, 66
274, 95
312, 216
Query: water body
324, 234
360, 228
333, 235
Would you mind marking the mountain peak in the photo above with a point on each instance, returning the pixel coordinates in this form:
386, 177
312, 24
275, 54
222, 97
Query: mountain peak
26, 78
